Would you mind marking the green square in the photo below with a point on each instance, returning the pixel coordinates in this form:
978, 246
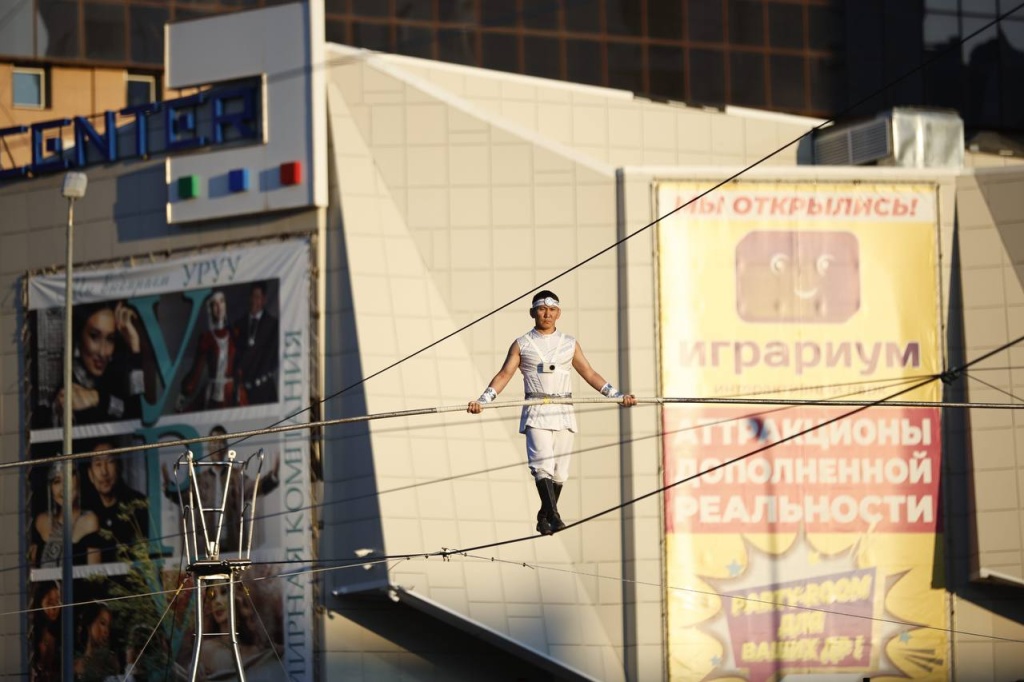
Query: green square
188, 187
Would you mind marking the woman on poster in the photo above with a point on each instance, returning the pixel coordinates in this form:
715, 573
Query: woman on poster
47, 543
103, 388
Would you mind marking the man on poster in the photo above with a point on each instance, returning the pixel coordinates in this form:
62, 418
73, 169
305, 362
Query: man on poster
123, 512
544, 356
256, 339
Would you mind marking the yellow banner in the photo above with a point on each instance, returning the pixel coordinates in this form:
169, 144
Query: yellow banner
801, 540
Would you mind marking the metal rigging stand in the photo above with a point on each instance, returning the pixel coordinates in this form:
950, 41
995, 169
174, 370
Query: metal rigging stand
211, 485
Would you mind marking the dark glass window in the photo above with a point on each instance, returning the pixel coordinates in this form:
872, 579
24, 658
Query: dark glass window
498, 13
667, 73
336, 31
583, 61
624, 17
746, 85
787, 82
458, 11
147, 34
583, 16
540, 14
665, 19
825, 27
825, 85
746, 22
625, 66
370, 8
456, 45
501, 52
707, 77
371, 36
104, 32
413, 9
542, 57
415, 41
16, 29
704, 20
786, 25
1012, 54
940, 30
335, 6
57, 28
140, 89
181, 14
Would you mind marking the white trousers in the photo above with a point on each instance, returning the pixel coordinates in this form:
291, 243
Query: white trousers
549, 453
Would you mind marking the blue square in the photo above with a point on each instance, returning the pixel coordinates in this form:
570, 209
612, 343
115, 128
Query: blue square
238, 180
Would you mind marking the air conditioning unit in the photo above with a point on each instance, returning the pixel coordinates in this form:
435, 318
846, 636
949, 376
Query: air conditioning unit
906, 137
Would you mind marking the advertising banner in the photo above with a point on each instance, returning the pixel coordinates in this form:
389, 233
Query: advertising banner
202, 345
806, 541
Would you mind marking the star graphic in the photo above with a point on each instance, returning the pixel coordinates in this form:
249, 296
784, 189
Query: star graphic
904, 637
734, 568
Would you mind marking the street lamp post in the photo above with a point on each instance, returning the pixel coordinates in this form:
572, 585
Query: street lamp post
73, 188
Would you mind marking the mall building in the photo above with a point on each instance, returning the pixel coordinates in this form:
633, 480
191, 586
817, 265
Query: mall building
397, 213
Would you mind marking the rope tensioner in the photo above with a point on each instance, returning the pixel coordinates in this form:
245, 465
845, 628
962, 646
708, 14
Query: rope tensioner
221, 492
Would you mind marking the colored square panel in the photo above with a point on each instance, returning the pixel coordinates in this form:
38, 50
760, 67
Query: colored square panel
291, 173
188, 187
238, 180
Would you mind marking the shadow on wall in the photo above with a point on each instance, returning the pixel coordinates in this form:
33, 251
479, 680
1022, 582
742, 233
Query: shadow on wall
140, 206
956, 486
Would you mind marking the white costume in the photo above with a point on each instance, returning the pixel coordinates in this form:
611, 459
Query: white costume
545, 363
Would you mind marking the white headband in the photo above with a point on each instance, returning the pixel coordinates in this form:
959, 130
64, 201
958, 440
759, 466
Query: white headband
547, 300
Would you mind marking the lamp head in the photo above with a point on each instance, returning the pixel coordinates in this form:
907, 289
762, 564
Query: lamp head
74, 185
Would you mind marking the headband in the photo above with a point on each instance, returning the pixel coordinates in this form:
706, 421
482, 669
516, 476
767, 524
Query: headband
547, 300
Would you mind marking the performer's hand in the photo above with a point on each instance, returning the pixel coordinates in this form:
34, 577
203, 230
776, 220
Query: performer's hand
126, 318
628, 400
474, 407
81, 398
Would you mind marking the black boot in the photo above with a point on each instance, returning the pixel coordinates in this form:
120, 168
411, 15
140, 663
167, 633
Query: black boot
555, 519
547, 496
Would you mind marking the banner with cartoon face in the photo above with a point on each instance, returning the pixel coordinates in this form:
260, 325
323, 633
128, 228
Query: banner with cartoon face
801, 541
202, 345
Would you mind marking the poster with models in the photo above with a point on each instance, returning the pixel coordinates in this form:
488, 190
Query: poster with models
200, 345
805, 540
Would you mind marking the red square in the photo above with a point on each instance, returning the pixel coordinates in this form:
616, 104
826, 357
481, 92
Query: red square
291, 173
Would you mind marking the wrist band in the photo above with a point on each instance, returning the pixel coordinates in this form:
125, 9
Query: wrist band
610, 391
487, 396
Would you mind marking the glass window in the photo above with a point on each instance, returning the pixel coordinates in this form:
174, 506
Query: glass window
413, 9
105, 32
16, 29
982, 8
415, 41
625, 66
141, 89
541, 14
707, 77
624, 17
498, 13
336, 6
667, 72
746, 86
940, 5
704, 20
978, 47
786, 25
825, 79
665, 19
825, 27
456, 45
459, 11
1012, 74
29, 86
746, 22
337, 31
147, 34
583, 61
501, 52
57, 28
940, 30
542, 57
787, 82
583, 16
371, 36
370, 8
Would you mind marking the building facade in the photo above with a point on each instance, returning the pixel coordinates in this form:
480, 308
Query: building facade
394, 214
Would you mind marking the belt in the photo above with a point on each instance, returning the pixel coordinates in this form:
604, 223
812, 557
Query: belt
541, 396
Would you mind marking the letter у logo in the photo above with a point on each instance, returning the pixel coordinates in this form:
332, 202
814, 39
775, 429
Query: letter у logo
788, 276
